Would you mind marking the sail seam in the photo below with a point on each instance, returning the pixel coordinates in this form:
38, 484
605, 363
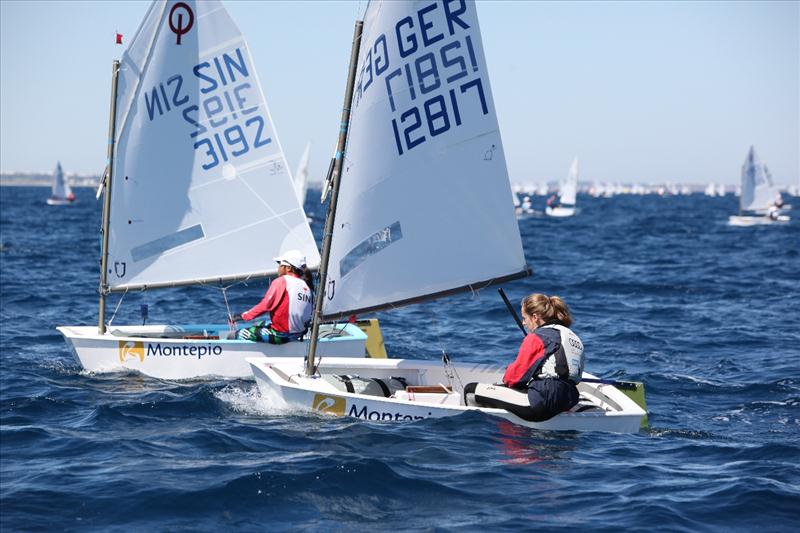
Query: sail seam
211, 51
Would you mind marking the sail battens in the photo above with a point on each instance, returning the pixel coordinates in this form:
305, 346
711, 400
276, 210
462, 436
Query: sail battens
168, 242
370, 246
472, 287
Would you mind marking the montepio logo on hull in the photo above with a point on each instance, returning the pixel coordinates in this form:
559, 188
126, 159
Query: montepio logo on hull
329, 404
133, 349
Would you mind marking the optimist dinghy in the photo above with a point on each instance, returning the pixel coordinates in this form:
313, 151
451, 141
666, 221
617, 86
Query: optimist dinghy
758, 192
402, 390
197, 191
568, 192
61, 193
408, 129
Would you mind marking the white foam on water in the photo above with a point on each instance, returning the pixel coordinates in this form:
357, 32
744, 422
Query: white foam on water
246, 398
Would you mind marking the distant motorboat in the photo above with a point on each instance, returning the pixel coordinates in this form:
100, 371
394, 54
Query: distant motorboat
61, 193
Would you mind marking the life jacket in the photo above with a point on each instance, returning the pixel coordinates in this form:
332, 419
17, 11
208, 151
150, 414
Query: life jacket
564, 354
300, 305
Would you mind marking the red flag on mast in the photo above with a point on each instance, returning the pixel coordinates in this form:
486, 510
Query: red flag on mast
119, 38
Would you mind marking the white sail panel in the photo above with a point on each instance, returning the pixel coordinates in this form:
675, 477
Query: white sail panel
61, 188
301, 176
201, 189
569, 189
758, 192
423, 204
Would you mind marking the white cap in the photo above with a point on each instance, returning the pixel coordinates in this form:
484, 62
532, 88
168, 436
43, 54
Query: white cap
294, 258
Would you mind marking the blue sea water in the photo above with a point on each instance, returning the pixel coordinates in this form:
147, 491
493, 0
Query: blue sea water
663, 292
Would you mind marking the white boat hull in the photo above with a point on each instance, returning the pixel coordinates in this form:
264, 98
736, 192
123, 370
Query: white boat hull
756, 220
526, 213
59, 201
283, 380
163, 351
560, 211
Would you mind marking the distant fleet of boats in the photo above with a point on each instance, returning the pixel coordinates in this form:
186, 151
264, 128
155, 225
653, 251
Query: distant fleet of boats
599, 189
523, 192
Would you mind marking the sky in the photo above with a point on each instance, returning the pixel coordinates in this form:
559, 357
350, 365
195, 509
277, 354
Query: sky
640, 92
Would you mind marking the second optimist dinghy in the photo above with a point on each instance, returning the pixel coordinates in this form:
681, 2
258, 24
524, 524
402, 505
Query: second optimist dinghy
424, 168
403, 390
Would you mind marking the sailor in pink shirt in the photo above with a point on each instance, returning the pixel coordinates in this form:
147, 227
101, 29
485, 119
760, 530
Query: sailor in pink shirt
288, 300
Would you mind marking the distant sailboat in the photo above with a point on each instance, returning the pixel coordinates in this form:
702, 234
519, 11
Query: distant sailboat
522, 207
757, 194
567, 194
197, 192
61, 193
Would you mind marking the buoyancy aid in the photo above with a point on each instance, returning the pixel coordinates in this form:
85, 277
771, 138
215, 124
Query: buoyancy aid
565, 359
300, 304
550, 351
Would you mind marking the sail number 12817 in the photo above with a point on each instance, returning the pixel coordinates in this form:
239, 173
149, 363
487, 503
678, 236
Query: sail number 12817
439, 113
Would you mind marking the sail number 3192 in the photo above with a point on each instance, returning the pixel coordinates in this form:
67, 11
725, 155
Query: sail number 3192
232, 142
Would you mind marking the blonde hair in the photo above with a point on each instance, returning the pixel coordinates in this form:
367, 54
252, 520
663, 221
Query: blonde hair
551, 309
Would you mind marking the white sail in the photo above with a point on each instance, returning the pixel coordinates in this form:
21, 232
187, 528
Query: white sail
569, 189
61, 188
301, 176
757, 188
201, 190
423, 205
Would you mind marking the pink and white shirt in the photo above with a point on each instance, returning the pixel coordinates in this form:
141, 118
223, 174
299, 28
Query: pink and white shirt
289, 302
